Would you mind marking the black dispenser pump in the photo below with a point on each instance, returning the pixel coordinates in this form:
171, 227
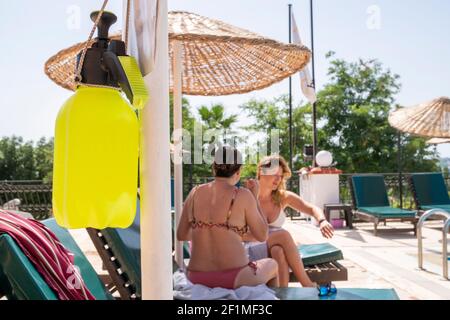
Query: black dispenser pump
101, 65
106, 21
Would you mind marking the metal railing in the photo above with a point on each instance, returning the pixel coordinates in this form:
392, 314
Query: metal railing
428, 214
34, 197
445, 256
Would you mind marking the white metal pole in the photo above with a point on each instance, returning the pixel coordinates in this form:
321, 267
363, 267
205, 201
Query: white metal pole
178, 126
156, 235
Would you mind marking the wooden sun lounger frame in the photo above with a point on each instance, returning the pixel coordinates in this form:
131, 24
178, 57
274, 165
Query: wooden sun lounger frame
324, 273
119, 280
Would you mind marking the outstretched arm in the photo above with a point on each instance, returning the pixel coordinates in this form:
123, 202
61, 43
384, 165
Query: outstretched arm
295, 202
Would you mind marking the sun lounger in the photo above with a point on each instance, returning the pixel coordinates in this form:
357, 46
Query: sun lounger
371, 202
321, 263
19, 279
429, 191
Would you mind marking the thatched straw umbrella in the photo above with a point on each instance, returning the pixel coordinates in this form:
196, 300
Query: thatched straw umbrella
217, 58
431, 119
438, 141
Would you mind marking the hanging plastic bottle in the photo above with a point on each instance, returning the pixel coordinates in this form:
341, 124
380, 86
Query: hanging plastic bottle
96, 152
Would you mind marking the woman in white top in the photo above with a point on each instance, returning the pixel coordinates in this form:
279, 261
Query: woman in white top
272, 174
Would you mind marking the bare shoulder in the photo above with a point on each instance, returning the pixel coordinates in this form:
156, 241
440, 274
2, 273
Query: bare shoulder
196, 189
244, 193
245, 196
201, 187
288, 196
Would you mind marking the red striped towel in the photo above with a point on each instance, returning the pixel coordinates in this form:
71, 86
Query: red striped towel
54, 262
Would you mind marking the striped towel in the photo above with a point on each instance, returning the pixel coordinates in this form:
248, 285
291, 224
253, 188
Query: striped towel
54, 262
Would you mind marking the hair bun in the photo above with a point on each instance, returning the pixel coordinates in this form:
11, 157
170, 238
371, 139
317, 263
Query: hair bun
227, 161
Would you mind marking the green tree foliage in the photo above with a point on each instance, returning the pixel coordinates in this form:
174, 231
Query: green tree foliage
43, 156
188, 118
212, 117
274, 114
21, 160
353, 110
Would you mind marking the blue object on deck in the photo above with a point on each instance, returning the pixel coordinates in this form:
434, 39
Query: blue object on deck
327, 290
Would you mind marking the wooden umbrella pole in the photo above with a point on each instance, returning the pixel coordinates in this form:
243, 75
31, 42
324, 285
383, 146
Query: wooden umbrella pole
156, 231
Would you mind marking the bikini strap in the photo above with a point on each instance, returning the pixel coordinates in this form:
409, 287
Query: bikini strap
235, 192
192, 205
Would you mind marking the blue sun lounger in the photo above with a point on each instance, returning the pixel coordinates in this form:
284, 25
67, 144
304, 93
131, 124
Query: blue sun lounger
371, 202
429, 191
19, 279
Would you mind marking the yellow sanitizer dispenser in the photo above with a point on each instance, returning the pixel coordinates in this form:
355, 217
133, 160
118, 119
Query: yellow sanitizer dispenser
95, 174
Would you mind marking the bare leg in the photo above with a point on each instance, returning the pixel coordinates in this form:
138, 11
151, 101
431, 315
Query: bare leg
283, 239
274, 282
266, 273
277, 253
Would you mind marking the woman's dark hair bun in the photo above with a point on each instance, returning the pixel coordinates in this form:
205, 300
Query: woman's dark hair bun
227, 161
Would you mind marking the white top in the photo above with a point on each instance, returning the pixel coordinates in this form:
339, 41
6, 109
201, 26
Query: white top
279, 221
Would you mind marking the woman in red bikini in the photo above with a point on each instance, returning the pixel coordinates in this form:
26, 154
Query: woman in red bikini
215, 217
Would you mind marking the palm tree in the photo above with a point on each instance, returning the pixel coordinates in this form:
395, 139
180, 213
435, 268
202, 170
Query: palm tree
214, 118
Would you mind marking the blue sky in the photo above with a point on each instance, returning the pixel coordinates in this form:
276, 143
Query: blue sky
410, 38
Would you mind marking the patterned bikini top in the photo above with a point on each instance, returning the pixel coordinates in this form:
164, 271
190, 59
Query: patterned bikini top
226, 225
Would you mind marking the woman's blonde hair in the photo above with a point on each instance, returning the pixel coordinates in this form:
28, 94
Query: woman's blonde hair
269, 163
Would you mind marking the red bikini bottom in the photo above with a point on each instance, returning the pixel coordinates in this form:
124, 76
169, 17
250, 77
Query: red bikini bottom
218, 279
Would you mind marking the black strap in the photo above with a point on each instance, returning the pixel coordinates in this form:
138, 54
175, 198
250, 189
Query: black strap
192, 206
